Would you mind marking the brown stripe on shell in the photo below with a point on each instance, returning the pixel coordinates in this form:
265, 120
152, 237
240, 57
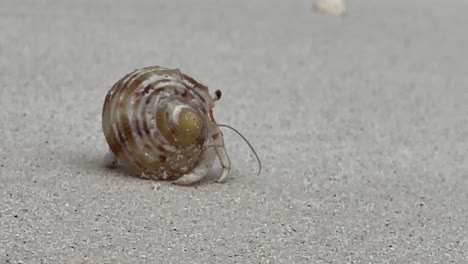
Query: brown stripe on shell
195, 83
124, 91
153, 85
114, 145
114, 95
186, 94
141, 114
148, 147
161, 148
195, 92
162, 158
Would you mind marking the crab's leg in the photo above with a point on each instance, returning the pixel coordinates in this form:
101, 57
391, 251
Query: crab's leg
199, 172
218, 142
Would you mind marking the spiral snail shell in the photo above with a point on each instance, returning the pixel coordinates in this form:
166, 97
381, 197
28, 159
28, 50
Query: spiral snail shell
159, 123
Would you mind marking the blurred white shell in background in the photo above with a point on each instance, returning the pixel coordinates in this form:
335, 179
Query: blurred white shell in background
330, 7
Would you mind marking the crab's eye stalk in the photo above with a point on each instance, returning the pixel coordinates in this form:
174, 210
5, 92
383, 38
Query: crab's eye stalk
217, 95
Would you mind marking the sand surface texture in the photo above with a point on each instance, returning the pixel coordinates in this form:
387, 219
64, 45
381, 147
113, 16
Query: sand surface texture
361, 122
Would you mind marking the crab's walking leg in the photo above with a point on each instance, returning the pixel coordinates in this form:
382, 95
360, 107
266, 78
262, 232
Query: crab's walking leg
110, 160
218, 141
200, 171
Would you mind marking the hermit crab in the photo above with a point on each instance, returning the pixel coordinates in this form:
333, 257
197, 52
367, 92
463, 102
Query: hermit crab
159, 123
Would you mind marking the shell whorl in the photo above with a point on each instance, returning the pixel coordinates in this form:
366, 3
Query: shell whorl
156, 121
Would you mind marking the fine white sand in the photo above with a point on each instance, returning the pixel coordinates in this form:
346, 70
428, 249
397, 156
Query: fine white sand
361, 122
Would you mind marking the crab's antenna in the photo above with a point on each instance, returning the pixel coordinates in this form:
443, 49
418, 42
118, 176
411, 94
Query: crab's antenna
248, 143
